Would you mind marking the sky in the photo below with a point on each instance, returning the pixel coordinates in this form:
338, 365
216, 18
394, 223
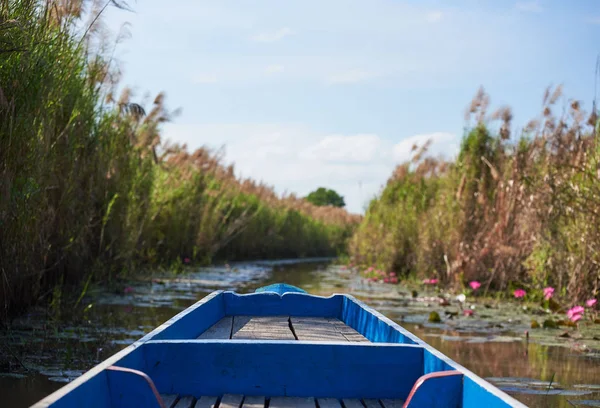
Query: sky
334, 93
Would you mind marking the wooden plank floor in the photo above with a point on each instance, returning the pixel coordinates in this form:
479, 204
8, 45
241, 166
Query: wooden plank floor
239, 401
282, 328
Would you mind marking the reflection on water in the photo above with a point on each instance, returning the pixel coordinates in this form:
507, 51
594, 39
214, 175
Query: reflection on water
540, 375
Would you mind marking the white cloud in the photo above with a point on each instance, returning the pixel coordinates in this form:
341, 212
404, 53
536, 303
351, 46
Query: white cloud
299, 159
203, 78
274, 69
442, 144
529, 6
349, 77
272, 36
340, 148
434, 16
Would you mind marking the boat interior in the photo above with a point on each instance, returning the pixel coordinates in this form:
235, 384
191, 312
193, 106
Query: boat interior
272, 350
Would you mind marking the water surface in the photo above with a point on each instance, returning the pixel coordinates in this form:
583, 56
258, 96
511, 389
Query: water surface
40, 354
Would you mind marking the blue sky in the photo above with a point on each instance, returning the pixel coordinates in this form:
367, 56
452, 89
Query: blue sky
334, 93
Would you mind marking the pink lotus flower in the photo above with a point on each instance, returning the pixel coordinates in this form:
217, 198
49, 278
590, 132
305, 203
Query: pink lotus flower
393, 280
519, 293
128, 289
430, 281
574, 311
386, 280
590, 302
548, 292
392, 273
186, 260
370, 269
576, 317
468, 312
474, 285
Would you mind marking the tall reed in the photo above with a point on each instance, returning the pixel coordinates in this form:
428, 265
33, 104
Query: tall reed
508, 211
88, 190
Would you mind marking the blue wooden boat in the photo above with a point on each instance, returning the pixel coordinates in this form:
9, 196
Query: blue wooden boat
279, 347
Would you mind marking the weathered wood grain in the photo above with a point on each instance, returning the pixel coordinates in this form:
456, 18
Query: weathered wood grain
185, 402
219, 330
324, 329
329, 403
316, 329
206, 402
263, 328
254, 402
289, 402
231, 401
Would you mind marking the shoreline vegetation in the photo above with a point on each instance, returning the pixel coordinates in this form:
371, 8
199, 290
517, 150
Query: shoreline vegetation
89, 191
517, 214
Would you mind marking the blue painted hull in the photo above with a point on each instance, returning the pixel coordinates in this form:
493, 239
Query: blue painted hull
172, 360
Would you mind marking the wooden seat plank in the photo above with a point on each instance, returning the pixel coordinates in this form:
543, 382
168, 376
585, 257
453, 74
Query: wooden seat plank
348, 332
371, 403
220, 330
254, 402
329, 403
316, 329
264, 328
169, 400
352, 403
206, 402
289, 402
185, 402
392, 403
325, 329
231, 401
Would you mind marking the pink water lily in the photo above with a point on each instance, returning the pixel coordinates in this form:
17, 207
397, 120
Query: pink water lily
474, 285
468, 312
430, 281
519, 293
590, 302
393, 279
186, 260
575, 313
370, 269
128, 289
548, 292
576, 318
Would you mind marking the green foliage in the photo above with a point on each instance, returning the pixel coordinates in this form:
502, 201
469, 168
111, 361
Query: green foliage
323, 196
82, 183
504, 213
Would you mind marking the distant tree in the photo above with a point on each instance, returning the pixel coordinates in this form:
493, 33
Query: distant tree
323, 196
